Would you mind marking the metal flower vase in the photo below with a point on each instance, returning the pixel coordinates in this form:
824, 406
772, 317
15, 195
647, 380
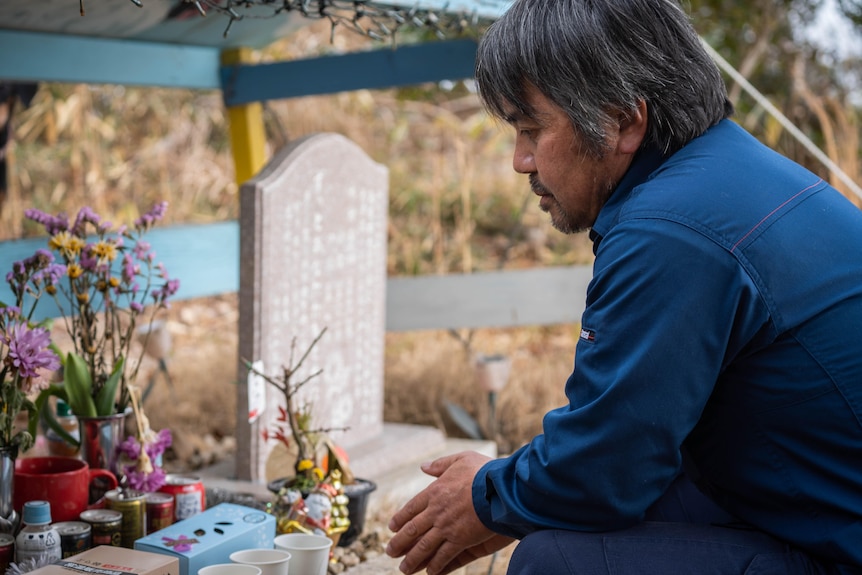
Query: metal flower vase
100, 440
9, 518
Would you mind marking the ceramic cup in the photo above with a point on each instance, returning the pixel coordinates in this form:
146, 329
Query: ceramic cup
229, 569
64, 482
309, 554
269, 561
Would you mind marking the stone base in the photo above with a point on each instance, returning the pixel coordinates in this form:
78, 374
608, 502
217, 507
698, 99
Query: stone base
390, 459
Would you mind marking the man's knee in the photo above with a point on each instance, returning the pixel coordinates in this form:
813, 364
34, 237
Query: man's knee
543, 552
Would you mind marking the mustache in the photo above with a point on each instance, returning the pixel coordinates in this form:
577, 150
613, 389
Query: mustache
537, 187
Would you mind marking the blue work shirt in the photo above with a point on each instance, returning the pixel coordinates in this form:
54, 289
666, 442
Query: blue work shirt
723, 322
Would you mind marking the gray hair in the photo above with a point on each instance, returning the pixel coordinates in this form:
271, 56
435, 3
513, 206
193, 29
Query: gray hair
599, 58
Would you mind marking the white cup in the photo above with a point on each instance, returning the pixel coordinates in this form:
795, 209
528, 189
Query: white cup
269, 561
309, 554
229, 569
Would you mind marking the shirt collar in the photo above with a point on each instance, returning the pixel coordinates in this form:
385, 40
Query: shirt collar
645, 163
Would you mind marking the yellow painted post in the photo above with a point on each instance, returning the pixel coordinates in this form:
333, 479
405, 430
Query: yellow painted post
247, 137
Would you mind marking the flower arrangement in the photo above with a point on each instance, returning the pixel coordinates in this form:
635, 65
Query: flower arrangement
141, 452
107, 280
25, 349
313, 498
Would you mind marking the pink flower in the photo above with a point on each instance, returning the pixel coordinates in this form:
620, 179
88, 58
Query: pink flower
28, 350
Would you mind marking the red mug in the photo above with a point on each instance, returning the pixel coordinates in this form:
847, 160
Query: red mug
64, 482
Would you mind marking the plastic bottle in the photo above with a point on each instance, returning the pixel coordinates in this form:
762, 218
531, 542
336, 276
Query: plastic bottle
67, 420
38, 541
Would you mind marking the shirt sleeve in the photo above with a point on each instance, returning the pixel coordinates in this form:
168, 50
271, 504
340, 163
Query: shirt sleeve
667, 308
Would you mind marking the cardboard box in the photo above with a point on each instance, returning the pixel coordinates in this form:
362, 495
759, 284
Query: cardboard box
210, 537
107, 560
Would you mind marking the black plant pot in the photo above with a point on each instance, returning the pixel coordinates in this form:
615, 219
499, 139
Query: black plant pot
358, 493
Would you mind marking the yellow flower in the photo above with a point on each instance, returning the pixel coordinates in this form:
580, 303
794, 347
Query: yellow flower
114, 281
304, 465
104, 251
318, 472
66, 243
74, 271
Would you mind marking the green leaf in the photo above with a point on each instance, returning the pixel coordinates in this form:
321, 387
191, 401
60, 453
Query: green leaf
42, 407
108, 393
79, 386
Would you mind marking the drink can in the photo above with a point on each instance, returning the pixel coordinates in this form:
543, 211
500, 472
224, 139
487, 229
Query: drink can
106, 526
75, 536
160, 511
188, 492
7, 551
132, 504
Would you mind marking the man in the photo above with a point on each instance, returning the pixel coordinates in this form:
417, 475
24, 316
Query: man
719, 342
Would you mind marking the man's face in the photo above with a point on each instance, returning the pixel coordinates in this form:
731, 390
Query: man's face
572, 183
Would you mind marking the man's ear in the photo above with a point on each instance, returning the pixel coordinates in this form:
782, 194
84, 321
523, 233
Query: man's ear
633, 125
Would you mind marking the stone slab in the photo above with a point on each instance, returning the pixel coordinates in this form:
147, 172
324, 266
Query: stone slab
313, 232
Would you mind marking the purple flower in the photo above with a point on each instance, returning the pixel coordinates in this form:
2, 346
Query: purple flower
30, 270
130, 269
155, 214
142, 250
51, 274
141, 481
162, 442
130, 448
85, 216
161, 295
88, 261
29, 351
53, 224
143, 475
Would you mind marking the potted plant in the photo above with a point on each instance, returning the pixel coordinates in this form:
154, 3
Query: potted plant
111, 284
321, 494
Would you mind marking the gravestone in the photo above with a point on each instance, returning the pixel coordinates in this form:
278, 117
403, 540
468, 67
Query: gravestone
313, 232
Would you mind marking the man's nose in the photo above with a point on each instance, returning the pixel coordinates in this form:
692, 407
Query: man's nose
523, 160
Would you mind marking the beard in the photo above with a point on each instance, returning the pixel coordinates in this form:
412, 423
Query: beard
561, 220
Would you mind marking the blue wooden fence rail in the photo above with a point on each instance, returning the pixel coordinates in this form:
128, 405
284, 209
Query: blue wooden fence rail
205, 258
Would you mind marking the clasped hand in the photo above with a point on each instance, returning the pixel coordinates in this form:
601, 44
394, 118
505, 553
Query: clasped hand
438, 530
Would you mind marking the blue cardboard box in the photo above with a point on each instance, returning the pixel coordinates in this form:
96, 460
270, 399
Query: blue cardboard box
210, 537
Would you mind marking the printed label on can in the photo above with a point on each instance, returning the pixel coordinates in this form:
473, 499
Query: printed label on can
160, 511
188, 492
134, 509
106, 526
188, 504
75, 537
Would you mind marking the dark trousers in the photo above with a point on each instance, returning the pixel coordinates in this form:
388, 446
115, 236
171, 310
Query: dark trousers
685, 533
